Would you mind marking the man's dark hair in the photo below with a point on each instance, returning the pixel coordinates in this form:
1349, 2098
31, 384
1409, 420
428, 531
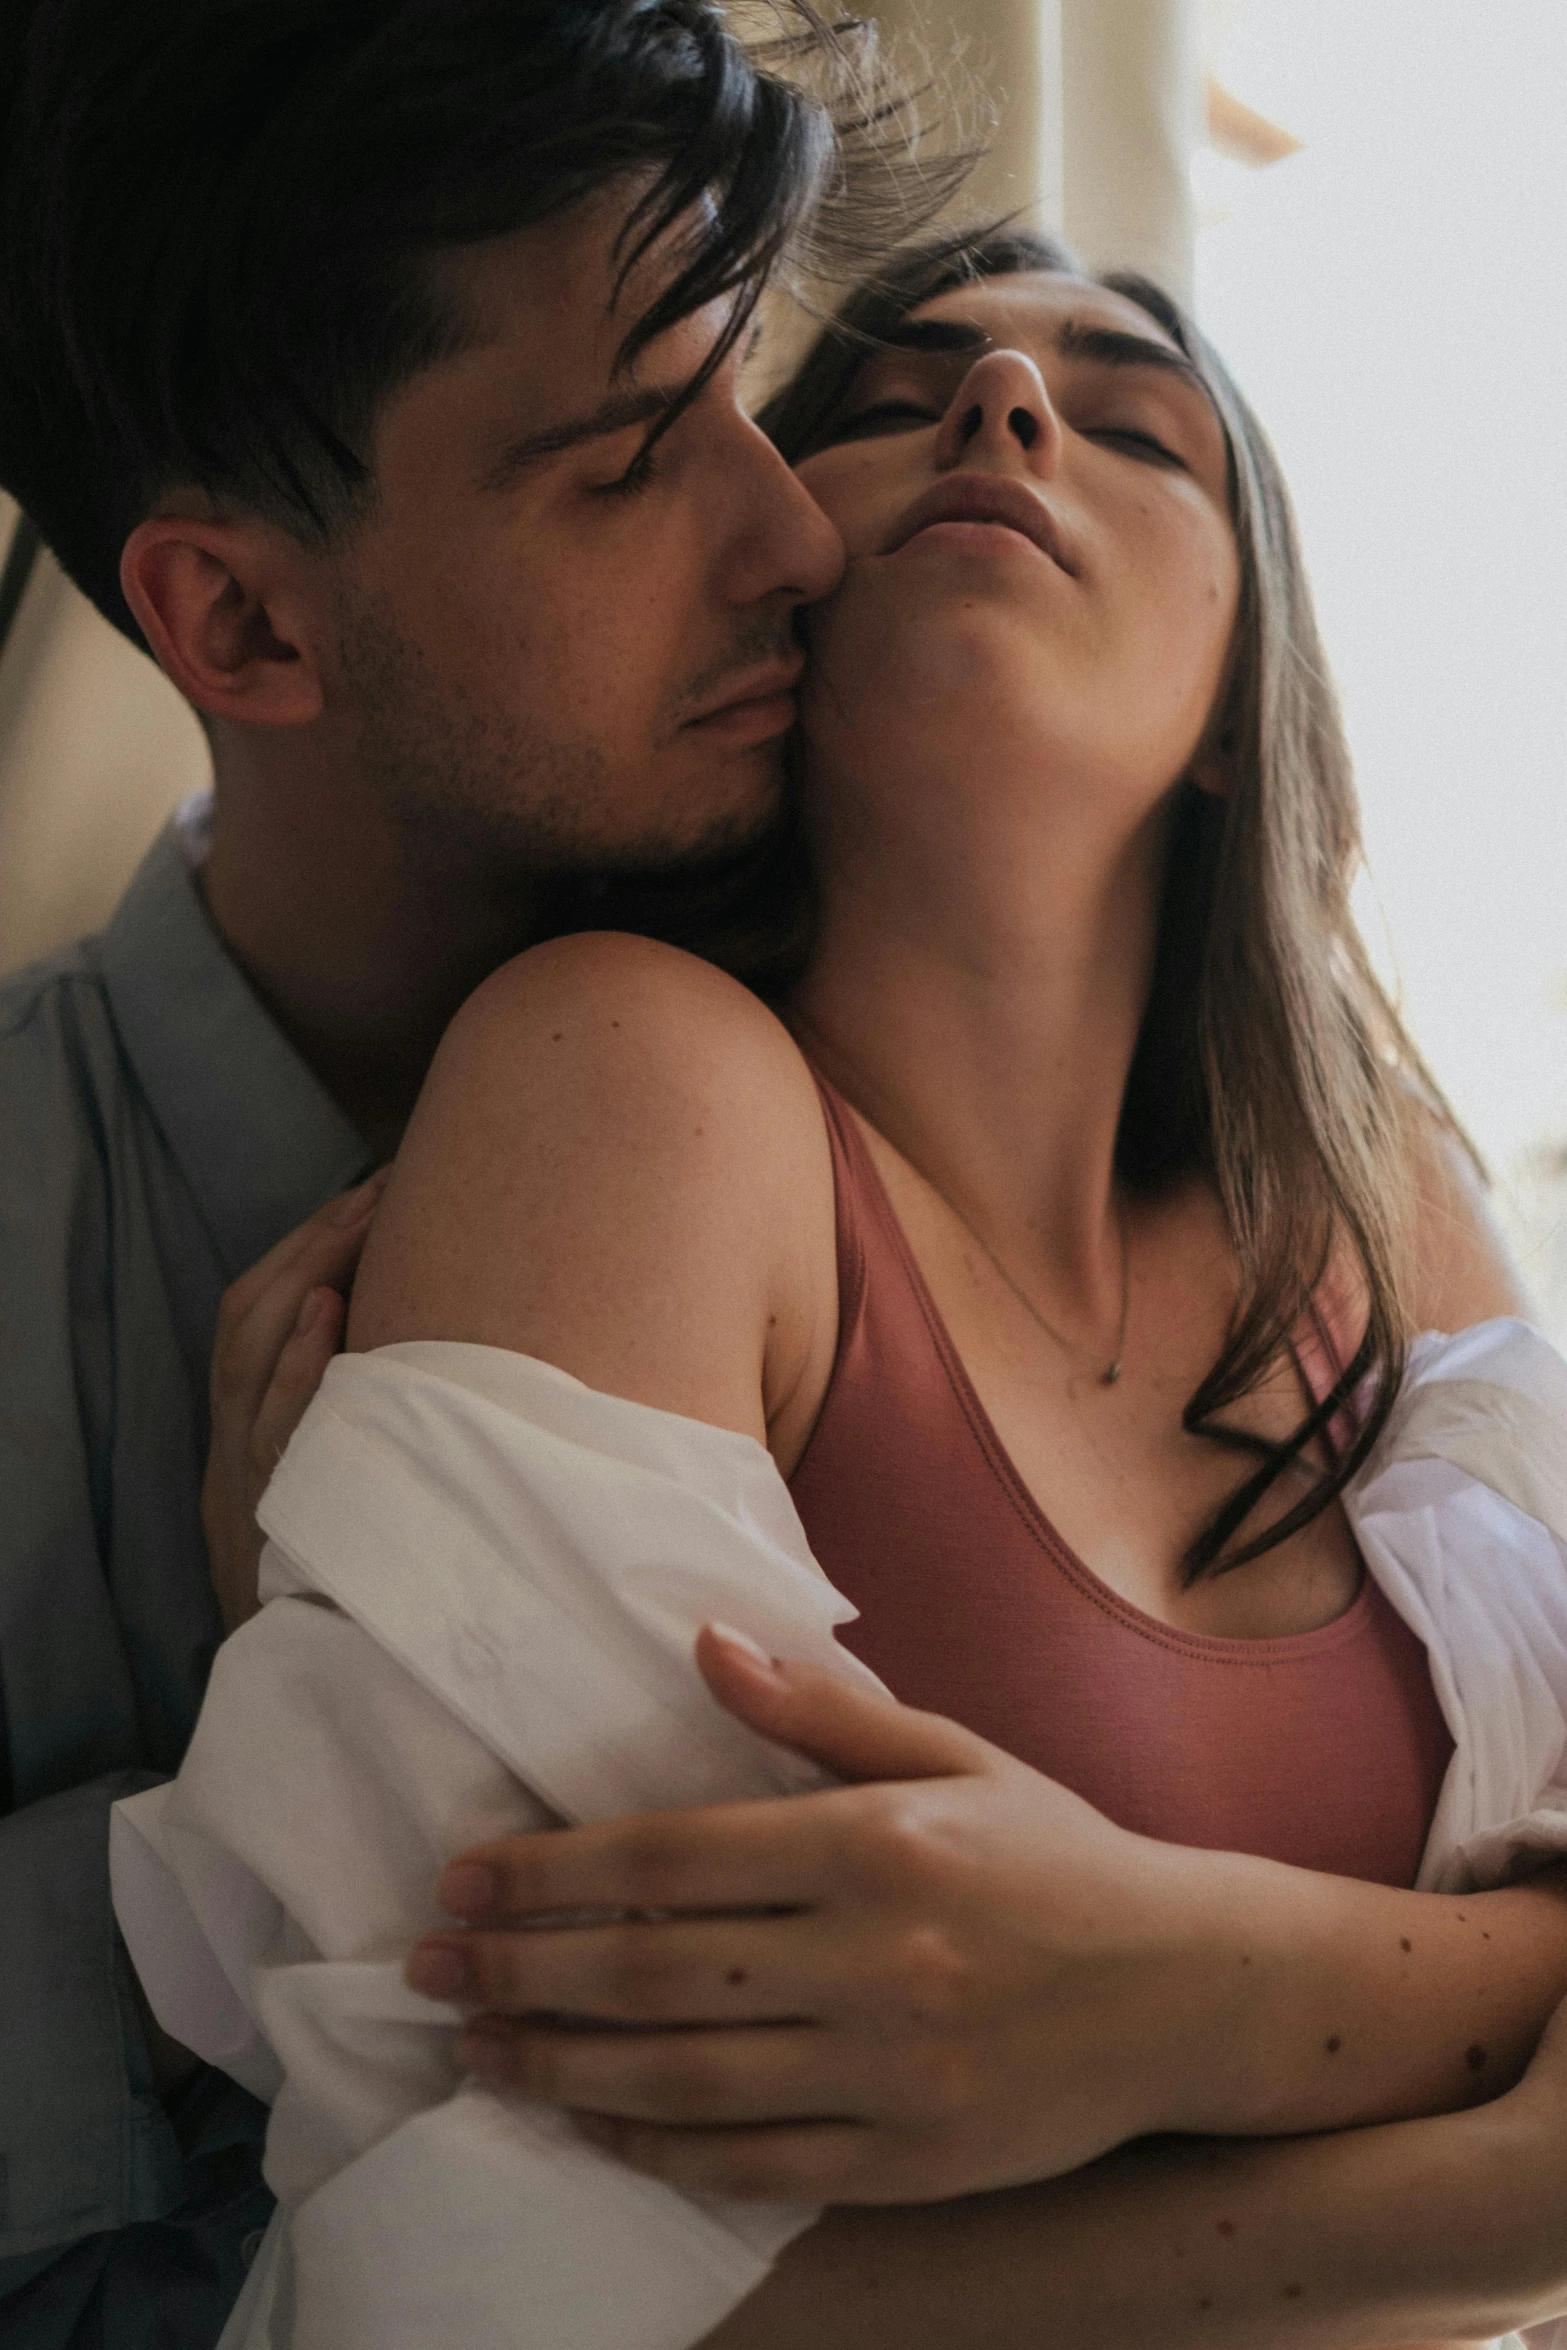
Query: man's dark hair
217, 217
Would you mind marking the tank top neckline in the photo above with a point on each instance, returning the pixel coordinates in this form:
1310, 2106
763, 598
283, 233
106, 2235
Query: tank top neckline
1273, 1650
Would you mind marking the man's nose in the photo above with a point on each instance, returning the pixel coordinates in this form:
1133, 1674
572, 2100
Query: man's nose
1000, 413
786, 547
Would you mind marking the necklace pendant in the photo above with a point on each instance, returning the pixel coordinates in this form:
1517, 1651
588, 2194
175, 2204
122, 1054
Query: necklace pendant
1109, 1376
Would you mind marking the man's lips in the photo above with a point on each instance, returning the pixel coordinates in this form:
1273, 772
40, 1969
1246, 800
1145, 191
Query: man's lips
756, 704
985, 497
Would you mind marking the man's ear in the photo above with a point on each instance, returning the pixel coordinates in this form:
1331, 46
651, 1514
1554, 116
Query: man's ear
225, 609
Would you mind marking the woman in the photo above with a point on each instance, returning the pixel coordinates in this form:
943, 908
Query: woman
1069, 1212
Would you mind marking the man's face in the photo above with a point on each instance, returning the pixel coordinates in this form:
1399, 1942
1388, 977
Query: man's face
555, 658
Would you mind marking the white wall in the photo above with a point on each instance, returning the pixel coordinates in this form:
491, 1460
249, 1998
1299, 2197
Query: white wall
1390, 299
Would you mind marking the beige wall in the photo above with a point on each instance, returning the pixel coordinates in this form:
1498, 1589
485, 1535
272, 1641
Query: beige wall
95, 749
1132, 73
1099, 106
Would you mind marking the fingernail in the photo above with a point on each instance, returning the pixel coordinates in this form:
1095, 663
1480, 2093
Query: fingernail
749, 1648
440, 1971
311, 1313
468, 1889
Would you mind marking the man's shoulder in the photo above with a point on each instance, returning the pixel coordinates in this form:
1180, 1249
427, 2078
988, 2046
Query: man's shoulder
60, 1067
62, 990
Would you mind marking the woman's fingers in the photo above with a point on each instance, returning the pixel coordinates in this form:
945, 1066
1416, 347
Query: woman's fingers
853, 1728
731, 1856
316, 1337
734, 1856
693, 1971
680, 2079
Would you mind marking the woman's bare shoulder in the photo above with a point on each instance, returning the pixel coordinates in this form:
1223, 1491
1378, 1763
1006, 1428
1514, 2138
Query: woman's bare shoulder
602, 1036
601, 983
618, 1163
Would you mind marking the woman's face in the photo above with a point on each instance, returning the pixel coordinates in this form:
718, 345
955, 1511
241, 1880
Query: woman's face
1042, 580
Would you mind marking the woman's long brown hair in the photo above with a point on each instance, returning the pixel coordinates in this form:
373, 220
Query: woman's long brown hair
1270, 1057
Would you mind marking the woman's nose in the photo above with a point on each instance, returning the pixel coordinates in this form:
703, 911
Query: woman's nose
1001, 413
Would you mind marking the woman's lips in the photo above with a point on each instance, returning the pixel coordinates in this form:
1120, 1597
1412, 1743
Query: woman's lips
985, 498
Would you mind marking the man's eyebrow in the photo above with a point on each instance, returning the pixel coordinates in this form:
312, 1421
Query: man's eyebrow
1111, 346
618, 413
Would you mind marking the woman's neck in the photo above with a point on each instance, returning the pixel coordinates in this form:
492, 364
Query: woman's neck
983, 1016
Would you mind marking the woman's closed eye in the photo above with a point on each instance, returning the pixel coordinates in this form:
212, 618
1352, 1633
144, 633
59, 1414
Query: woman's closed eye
1137, 443
883, 416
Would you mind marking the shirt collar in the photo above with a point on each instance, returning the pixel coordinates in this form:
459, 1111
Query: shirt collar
259, 1140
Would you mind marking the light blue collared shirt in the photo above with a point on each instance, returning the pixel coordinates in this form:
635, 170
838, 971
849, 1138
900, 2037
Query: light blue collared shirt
157, 1135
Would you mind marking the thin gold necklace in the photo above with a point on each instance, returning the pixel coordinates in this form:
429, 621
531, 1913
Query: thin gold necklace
1112, 1370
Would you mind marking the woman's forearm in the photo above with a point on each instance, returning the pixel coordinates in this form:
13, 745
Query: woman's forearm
1414, 2232
1356, 2003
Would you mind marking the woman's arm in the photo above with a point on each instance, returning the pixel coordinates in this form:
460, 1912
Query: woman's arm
1414, 2233
618, 1165
999, 1984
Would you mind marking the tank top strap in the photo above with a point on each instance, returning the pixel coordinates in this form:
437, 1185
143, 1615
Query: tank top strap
854, 1188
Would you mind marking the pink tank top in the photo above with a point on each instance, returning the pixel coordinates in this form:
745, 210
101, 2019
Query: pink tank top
1326, 1749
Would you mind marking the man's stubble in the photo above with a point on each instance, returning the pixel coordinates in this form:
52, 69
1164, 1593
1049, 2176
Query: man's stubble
483, 798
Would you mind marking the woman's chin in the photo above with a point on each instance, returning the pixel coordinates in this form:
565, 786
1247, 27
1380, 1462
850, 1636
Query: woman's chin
952, 663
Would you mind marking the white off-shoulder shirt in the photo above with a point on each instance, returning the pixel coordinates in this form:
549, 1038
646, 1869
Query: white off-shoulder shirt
482, 1584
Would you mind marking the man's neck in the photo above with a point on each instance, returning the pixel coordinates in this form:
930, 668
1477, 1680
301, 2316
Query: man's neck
360, 948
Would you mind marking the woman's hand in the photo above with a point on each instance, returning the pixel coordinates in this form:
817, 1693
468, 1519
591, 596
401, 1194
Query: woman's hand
956, 1977
279, 1326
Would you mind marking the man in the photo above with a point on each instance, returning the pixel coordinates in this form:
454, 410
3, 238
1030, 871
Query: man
375, 365
393, 349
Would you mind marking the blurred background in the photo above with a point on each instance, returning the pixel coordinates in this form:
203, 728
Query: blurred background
1368, 207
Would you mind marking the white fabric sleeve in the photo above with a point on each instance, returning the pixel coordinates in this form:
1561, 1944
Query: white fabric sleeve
482, 1585
1461, 1513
